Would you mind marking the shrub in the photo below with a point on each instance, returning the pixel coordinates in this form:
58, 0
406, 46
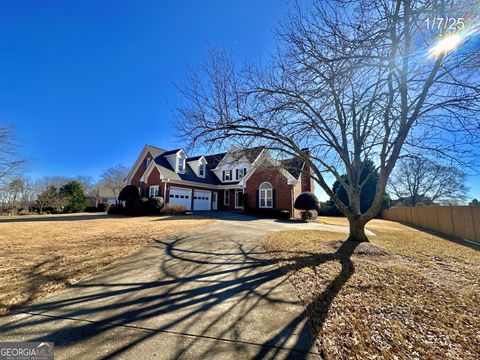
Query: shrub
169, 209
128, 192
155, 204
309, 215
102, 207
269, 213
116, 209
307, 201
91, 209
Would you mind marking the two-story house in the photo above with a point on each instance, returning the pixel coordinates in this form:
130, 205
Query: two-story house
227, 181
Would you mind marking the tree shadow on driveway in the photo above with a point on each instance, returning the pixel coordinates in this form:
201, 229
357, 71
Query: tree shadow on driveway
211, 299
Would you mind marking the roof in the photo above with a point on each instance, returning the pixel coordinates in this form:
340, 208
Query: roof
171, 152
293, 166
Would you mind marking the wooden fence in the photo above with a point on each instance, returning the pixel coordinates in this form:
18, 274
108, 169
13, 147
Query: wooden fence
459, 221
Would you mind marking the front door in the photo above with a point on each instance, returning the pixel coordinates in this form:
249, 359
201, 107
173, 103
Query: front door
238, 199
214, 200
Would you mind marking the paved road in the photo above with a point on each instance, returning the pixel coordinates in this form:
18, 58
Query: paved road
208, 292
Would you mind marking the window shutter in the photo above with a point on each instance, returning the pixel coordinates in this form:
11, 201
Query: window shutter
231, 174
244, 171
223, 175
257, 200
273, 199
236, 173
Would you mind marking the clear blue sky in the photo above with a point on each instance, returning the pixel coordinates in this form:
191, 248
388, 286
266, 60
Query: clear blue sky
87, 83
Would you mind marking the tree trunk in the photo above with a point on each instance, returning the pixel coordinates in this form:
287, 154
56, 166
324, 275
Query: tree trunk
357, 230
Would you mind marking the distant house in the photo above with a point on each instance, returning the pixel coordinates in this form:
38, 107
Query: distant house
232, 180
105, 195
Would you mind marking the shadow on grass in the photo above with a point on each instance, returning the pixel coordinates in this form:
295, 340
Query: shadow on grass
468, 243
207, 293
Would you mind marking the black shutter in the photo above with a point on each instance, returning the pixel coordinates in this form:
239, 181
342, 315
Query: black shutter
223, 175
257, 201
244, 171
236, 173
273, 198
231, 174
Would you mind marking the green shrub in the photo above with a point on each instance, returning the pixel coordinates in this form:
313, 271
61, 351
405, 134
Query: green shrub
155, 205
91, 209
116, 209
307, 201
102, 207
128, 192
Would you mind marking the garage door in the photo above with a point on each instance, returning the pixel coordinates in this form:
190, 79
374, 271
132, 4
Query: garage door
180, 196
201, 200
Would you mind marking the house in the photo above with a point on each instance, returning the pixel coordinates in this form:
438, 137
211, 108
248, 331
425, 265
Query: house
233, 180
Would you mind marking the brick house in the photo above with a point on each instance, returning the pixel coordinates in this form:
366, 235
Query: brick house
233, 180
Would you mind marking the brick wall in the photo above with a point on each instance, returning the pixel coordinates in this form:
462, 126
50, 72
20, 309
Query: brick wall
283, 191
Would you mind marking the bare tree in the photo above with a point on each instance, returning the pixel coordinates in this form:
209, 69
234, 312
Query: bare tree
351, 81
114, 178
416, 180
10, 160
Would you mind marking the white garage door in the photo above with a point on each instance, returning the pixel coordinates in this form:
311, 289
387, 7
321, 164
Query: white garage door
180, 196
201, 200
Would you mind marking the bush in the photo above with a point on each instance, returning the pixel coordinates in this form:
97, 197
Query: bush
128, 192
174, 210
307, 201
102, 207
116, 209
269, 213
91, 209
155, 204
309, 215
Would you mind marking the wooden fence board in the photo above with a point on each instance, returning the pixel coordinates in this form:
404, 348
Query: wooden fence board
459, 221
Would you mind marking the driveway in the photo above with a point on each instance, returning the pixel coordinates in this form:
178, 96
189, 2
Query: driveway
208, 292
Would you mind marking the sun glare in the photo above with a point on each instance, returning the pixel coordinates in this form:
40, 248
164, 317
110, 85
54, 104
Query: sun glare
446, 45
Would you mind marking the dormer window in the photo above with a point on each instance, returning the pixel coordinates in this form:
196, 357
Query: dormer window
227, 175
181, 165
149, 160
201, 170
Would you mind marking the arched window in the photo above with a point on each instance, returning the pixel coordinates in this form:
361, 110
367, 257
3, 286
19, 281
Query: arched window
265, 194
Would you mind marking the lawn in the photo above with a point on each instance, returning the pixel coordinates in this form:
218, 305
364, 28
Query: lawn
406, 294
42, 254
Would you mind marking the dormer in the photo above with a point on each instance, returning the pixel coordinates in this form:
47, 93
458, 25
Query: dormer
177, 160
198, 165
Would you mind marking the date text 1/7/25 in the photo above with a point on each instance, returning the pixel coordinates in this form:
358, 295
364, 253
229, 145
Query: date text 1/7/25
445, 23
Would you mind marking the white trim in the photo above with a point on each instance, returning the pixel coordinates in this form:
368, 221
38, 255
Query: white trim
290, 178
149, 170
153, 187
266, 192
139, 161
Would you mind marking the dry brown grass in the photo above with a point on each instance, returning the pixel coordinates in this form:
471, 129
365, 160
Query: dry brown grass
407, 294
42, 254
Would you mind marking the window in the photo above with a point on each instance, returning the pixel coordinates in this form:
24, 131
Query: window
226, 197
149, 160
265, 194
227, 175
201, 170
240, 173
154, 191
181, 165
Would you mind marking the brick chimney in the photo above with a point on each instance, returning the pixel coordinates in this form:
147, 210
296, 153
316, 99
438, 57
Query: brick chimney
306, 179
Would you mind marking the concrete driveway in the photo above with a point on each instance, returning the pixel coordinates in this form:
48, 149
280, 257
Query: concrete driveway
208, 292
